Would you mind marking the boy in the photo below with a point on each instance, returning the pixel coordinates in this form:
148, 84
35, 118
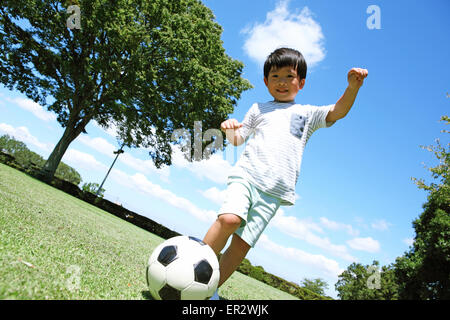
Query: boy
265, 175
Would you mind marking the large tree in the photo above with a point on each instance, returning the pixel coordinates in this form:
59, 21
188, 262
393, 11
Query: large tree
149, 67
424, 271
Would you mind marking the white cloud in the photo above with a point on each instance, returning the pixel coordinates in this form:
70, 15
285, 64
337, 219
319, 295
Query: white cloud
214, 194
364, 244
215, 169
144, 166
301, 226
303, 230
285, 27
34, 108
318, 262
98, 144
24, 135
408, 241
140, 183
106, 148
84, 160
380, 225
336, 226
111, 130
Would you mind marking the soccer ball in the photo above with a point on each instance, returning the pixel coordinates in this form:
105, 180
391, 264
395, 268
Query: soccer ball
182, 268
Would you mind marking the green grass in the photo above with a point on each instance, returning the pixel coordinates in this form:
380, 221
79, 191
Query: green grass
55, 246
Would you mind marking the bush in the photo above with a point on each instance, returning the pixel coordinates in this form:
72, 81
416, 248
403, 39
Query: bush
92, 187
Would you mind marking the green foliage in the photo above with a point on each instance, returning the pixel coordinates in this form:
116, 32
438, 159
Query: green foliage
92, 187
148, 67
315, 285
258, 272
360, 282
30, 160
68, 173
19, 150
424, 271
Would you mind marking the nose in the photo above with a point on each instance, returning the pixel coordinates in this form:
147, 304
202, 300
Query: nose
282, 81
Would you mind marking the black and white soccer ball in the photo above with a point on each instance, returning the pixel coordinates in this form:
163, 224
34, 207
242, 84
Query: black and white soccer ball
182, 268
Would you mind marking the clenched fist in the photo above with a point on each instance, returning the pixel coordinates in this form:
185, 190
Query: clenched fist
230, 124
356, 77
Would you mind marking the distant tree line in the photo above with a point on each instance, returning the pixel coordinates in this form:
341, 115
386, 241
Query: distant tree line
311, 289
28, 159
31, 162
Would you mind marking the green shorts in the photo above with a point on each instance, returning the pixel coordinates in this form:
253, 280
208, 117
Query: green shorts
255, 207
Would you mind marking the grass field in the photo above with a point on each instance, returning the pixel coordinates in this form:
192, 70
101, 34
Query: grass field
55, 246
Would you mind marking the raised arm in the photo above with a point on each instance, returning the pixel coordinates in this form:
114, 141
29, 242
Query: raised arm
355, 79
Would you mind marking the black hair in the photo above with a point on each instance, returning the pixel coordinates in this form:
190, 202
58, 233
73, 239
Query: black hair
283, 57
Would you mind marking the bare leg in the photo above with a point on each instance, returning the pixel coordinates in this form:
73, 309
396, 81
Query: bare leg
219, 232
217, 237
232, 258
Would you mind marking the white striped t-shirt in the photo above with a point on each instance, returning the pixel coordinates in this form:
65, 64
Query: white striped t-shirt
272, 158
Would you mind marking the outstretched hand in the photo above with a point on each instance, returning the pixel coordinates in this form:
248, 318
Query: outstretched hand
230, 124
356, 77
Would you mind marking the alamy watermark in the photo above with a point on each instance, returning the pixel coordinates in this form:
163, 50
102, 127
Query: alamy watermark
374, 20
374, 280
184, 138
73, 282
74, 21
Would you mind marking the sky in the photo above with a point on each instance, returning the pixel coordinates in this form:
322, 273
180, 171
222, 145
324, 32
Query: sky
355, 200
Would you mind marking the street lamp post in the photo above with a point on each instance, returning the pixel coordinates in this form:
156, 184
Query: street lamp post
118, 152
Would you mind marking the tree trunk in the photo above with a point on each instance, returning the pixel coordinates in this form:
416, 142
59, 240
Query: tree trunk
48, 170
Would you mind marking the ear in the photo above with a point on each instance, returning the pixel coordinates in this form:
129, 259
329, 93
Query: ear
301, 84
266, 82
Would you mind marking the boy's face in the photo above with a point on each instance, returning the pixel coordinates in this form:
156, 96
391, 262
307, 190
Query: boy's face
284, 83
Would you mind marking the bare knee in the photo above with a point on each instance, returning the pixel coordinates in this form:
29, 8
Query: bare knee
229, 221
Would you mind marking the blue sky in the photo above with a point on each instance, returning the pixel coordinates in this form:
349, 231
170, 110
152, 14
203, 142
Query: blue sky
355, 197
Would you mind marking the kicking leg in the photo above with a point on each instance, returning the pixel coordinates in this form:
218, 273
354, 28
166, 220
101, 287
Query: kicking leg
232, 257
218, 234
